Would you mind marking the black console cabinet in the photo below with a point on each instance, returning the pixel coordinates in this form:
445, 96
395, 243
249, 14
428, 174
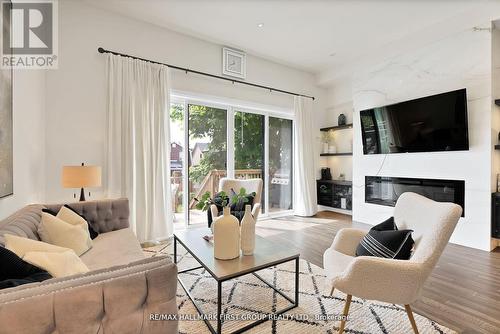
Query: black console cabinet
331, 192
495, 215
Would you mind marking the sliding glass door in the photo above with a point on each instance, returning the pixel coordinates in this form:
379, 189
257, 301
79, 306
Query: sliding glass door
280, 185
207, 129
211, 141
249, 130
177, 163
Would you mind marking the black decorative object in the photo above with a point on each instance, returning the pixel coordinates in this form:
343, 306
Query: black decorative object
326, 174
385, 240
342, 119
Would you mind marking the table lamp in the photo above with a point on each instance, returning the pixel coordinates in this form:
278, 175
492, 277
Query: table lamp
81, 177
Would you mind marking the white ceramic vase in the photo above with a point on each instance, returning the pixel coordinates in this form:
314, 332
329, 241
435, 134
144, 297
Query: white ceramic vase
248, 232
226, 236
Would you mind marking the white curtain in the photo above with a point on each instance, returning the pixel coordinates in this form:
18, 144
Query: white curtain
138, 148
305, 160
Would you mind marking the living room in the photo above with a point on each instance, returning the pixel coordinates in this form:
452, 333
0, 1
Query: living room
278, 119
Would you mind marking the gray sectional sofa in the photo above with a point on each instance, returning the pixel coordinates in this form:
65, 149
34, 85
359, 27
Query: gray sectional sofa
120, 294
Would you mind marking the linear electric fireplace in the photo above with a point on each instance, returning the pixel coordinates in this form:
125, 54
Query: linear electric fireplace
386, 190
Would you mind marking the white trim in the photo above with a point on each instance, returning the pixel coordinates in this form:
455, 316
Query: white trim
278, 214
266, 163
185, 167
237, 104
230, 143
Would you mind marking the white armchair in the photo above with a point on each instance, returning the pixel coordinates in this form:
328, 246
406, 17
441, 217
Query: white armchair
251, 185
389, 280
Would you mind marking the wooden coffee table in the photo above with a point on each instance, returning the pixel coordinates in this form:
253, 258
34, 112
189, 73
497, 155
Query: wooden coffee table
267, 254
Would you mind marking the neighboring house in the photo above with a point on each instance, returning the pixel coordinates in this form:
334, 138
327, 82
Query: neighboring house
175, 157
198, 151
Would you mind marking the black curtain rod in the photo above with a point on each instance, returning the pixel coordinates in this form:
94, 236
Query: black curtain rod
271, 89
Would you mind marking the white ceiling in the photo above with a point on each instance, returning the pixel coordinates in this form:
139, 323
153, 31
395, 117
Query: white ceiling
322, 37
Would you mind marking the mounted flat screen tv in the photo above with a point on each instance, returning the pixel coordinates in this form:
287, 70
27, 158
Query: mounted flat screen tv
427, 124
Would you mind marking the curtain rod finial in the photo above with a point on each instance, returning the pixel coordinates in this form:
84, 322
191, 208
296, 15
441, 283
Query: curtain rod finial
100, 50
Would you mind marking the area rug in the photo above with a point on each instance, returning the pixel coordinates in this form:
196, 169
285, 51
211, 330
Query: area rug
247, 297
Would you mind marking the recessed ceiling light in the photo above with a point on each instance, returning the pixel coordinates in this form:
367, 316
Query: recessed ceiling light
260, 25
333, 54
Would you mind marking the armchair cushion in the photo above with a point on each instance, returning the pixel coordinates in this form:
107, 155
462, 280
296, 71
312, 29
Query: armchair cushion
385, 240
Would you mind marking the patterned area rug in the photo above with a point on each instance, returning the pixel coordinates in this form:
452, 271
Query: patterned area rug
248, 297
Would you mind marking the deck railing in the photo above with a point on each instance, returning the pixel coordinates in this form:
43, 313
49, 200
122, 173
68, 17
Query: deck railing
211, 181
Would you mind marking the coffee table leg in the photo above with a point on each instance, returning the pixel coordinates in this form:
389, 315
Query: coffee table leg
219, 307
175, 249
297, 282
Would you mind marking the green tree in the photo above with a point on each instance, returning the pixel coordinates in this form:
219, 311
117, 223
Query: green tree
209, 124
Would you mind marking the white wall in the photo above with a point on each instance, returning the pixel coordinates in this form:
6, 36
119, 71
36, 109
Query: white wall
76, 100
29, 140
461, 60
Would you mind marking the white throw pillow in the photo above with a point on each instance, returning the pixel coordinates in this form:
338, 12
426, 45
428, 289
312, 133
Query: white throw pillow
57, 261
56, 231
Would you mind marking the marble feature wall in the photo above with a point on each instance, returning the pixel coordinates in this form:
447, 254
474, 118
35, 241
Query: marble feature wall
459, 61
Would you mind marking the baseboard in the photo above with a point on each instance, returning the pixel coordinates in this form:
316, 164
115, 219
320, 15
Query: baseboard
328, 208
494, 243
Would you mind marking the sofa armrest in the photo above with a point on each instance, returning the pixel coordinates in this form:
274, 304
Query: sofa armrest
117, 300
103, 215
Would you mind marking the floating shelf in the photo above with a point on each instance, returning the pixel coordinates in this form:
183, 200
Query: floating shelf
336, 154
338, 127
497, 102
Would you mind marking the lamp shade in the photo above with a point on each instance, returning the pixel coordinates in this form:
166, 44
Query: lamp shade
81, 176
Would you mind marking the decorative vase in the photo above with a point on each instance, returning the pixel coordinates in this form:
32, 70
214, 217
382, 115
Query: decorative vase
332, 149
325, 147
248, 232
226, 230
342, 119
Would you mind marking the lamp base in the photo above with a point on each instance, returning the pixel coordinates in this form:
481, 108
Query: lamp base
82, 195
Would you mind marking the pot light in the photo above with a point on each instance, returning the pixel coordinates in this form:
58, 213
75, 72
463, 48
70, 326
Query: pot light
260, 25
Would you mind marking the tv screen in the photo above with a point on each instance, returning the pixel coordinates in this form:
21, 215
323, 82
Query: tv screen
432, 123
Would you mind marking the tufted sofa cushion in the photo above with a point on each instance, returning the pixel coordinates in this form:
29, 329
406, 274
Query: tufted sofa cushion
103, 215
114, 300
23, 223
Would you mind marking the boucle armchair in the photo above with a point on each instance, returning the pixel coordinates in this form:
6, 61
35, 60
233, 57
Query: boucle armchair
250, 185
389, 280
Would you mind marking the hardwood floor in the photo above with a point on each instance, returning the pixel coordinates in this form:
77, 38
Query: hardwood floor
462, 293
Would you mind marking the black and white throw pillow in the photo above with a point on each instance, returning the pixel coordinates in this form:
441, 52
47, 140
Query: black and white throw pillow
385, 240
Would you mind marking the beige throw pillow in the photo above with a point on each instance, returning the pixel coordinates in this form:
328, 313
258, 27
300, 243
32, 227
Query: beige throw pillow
57, 261
57, 264
21, 246
56, 231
